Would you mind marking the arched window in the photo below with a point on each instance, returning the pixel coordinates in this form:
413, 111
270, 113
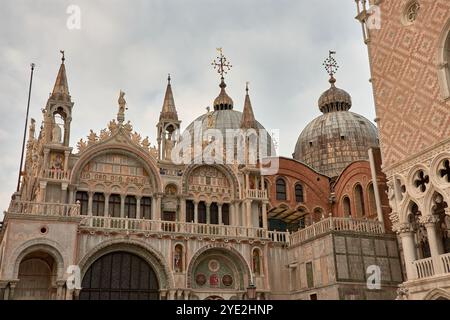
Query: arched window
443, 62
299, 193
201, 212
372, 202
347, 207
189, 211
130, 207
359, 201
226, 214
214, 213
178, 258
114, 205
146, 208
83, 197
281, 189
256, 261
317, 215
98, 204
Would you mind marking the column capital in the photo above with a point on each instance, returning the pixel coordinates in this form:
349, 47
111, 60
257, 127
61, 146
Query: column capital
402, 228
60, 282
429, 220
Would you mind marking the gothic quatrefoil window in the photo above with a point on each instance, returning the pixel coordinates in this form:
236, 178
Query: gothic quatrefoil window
421, 181
445, 172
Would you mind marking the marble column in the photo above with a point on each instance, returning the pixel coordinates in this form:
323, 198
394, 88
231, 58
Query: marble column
90, 201
264, 214
219, 205
106, 212
208, 213
248, 209
430, 223
406, 234
195, 211
138, 207
182, 202
122, 205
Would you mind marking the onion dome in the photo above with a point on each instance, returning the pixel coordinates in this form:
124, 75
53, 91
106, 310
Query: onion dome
334, 99
338, 137
223, 100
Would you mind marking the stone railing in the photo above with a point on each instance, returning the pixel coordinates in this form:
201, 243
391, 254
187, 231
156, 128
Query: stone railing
430, 267
424, 268
172, 227
56, 174
279, 236
256, 194
335, 224
43, 209
445, 259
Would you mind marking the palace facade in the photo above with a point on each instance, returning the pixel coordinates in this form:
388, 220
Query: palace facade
409, 49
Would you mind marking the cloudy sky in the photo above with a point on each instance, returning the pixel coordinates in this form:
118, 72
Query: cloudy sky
277, 45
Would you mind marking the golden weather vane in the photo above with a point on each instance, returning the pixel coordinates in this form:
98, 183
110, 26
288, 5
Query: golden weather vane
221, 63
330, 64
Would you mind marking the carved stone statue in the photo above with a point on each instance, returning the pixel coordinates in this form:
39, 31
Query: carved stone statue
122, 107
56, 133
169, 144
122, 102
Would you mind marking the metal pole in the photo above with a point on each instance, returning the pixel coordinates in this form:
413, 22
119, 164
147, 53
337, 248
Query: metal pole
25, 129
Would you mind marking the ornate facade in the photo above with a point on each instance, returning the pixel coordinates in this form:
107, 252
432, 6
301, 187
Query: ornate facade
138, 225
409, 55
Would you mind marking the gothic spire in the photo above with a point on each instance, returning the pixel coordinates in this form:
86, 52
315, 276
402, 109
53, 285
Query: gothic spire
169, 111
61, 87
248, 118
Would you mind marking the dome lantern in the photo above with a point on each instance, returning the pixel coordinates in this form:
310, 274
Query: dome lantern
223, 100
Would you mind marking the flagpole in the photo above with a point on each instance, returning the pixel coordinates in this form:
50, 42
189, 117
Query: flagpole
25, 129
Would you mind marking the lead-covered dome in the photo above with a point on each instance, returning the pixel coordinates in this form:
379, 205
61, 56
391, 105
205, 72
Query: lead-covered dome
337, 138
224, 118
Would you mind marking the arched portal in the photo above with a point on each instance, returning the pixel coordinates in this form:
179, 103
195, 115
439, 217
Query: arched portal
37, 277
120, 275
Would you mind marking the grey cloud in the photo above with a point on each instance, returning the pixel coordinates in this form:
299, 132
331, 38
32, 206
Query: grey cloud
277, 45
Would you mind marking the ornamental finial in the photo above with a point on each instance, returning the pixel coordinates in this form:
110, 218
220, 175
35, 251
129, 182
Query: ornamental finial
331, 66
63, 56
221, 64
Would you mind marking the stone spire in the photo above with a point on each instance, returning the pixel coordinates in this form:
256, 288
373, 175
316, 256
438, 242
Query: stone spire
61, 88
169, 111
248, 118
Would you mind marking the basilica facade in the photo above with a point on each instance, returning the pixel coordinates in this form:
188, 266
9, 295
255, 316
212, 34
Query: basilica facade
119, 218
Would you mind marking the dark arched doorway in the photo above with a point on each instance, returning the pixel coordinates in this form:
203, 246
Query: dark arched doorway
37, 276
120, 276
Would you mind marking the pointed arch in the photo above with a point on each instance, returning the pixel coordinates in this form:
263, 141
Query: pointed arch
437, 294
443, 61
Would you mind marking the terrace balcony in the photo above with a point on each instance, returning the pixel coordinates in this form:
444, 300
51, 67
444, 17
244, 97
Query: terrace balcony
147, 227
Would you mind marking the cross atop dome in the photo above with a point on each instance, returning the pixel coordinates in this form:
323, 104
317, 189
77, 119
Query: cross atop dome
221, 64
331, 66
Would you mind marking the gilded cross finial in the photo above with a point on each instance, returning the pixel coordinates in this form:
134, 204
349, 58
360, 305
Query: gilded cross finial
63, 56
331, 65
221, 63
